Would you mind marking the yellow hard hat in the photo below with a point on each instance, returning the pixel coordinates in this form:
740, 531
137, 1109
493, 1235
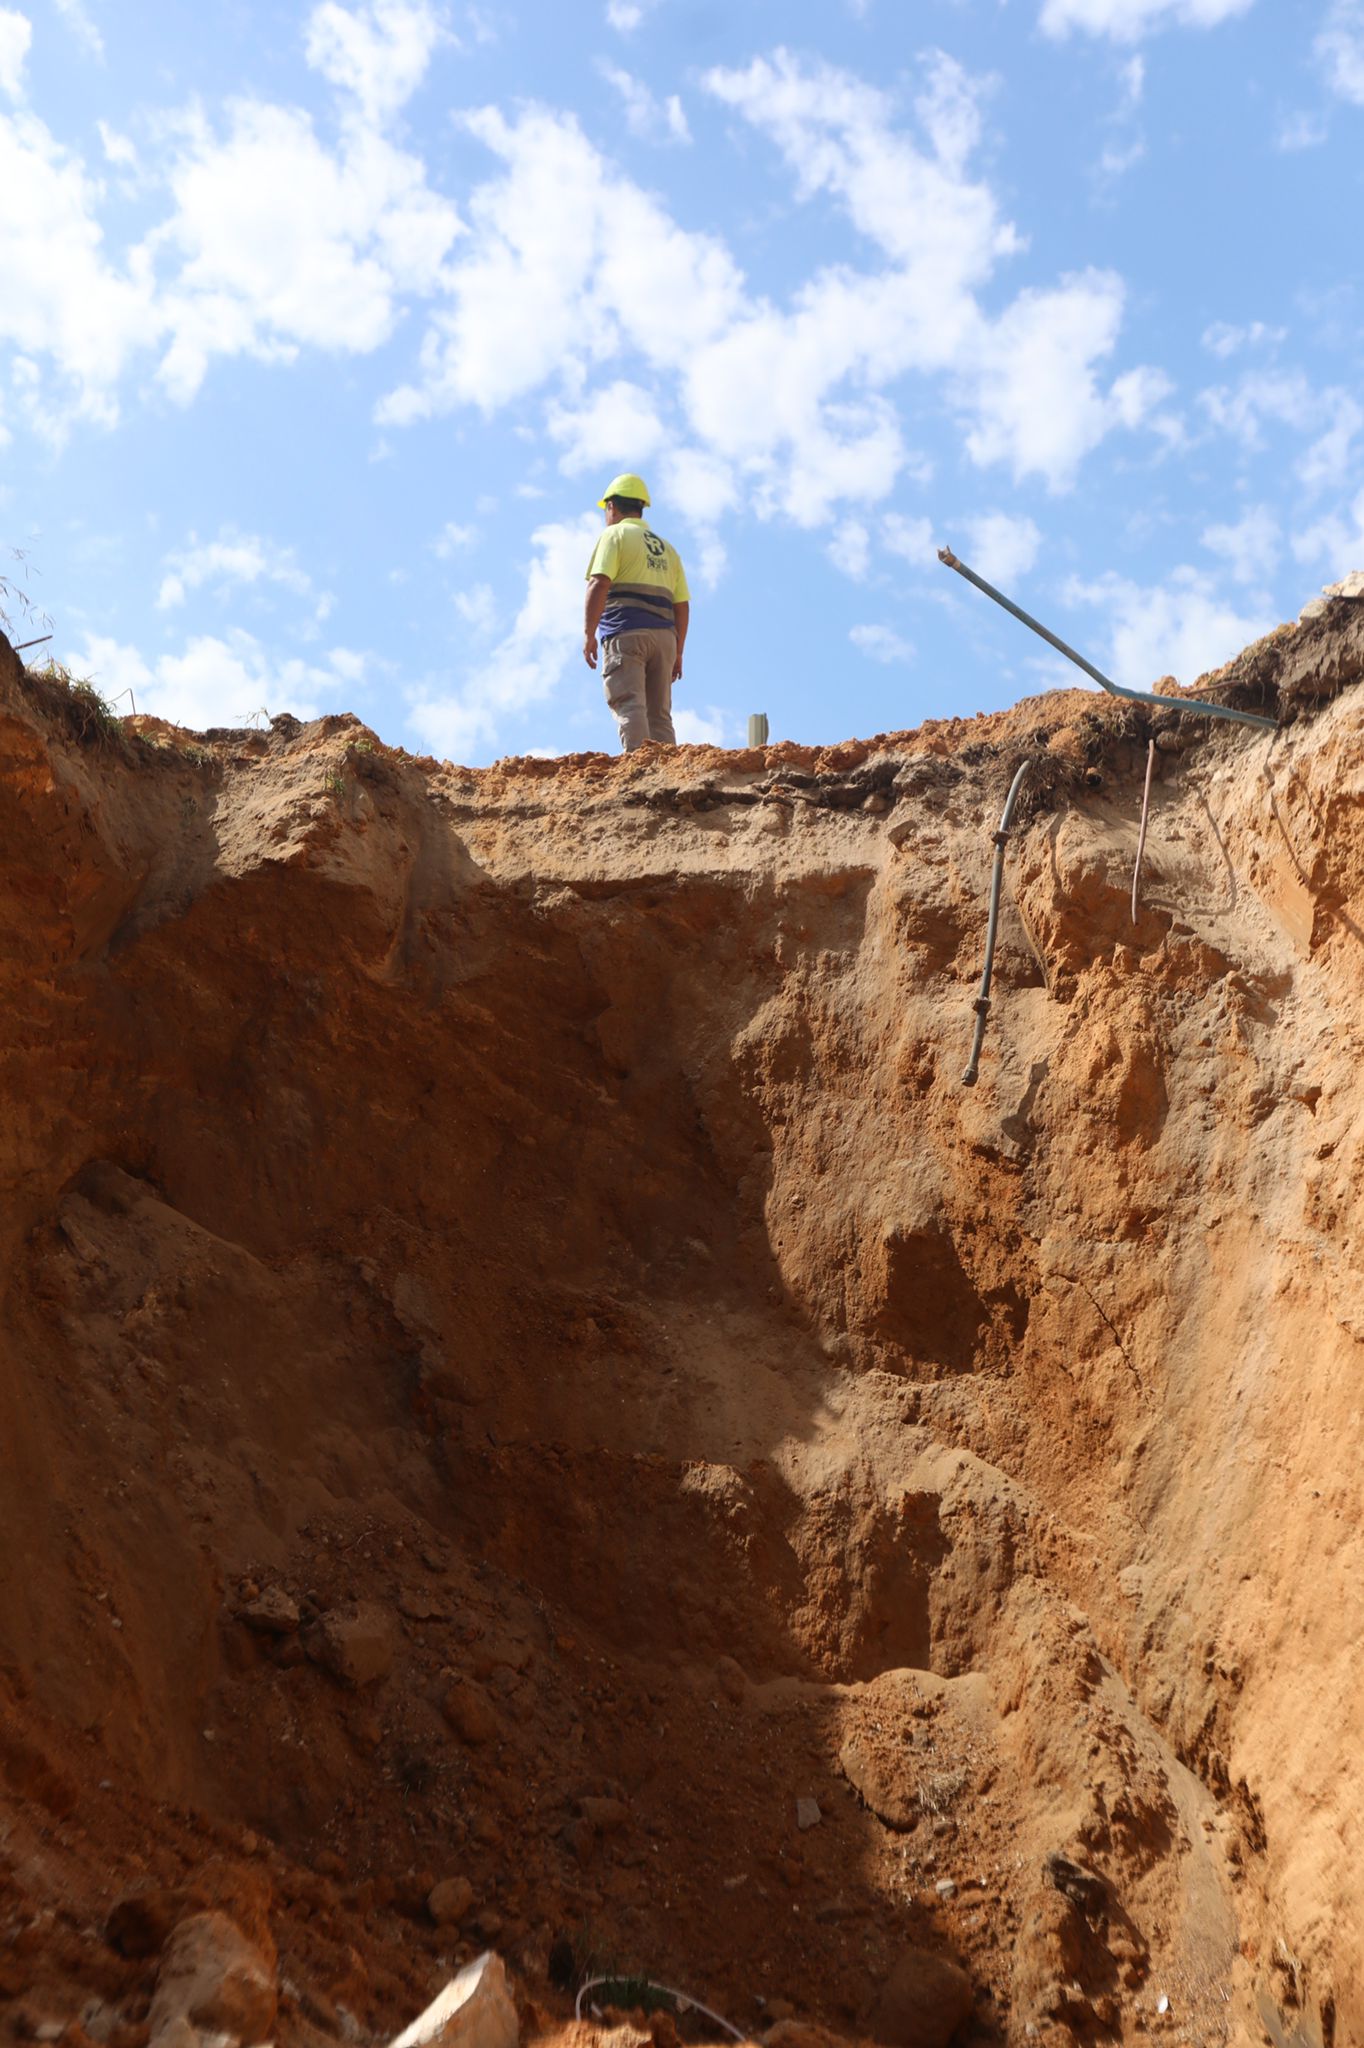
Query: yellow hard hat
627, 486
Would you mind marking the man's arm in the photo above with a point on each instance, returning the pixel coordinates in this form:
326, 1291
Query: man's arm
598, 590
682, 616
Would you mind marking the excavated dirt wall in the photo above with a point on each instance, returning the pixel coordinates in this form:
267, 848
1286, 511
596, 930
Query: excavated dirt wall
522, 1361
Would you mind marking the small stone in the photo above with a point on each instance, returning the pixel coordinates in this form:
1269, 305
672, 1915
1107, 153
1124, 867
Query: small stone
272, 1613
923, 2002
418, 1606
808, 1814
449, 1901
357, 1644
474, 2010
469, 1712
945, 1888
884, 1786
501, 1653
214, 1979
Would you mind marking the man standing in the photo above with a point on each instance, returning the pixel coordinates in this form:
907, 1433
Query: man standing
637, 598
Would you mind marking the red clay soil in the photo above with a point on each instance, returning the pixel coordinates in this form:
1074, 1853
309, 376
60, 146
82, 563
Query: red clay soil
521, 1363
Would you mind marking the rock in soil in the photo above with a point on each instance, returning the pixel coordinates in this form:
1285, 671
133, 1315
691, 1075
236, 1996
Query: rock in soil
214, 1979
357, 1644
922, 2003
449, 1901
474, 2010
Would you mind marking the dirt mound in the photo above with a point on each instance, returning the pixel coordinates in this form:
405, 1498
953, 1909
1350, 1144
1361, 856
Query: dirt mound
536, 1412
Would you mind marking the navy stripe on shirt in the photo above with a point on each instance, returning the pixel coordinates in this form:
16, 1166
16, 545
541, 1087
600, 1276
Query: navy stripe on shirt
631, 608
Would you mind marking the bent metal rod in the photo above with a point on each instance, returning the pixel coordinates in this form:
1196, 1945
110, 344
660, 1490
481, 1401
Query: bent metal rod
1195, 704
1105, 682
982, 1002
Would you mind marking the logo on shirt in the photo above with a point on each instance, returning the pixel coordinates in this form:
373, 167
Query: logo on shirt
655, 548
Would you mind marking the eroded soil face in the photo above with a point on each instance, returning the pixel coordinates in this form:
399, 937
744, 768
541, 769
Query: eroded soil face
522, 1363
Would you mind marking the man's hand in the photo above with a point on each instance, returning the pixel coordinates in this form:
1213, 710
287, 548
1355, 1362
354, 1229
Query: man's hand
598, 590
682, 614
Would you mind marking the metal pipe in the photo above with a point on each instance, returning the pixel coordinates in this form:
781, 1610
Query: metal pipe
1141, 837
41, 641
682, 1999
1105, 682
982, 1002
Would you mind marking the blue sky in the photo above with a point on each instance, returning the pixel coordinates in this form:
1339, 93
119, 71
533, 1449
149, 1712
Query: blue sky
321, 329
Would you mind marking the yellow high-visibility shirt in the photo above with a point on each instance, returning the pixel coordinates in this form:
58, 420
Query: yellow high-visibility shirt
647, 578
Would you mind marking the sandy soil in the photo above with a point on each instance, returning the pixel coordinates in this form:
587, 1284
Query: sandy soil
521, 1362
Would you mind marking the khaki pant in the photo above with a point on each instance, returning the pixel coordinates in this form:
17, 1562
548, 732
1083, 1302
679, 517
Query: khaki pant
637, 673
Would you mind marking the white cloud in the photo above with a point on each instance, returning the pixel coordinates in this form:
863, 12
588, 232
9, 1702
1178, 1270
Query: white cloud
478, 608
82, 26
453, 539
1331, 456
1117, 158
626, 15
1241, 410
119, 150
213, 680
712, 561
564, 252
16, 34
1003, 545
617, 429
910, 538
78, 19
1339, 49
1027, 380
1336, 543
1127, 21
701, 484
530, 662
1331, 415
917, 205
709, 728
850, 549
881, 643
647, 117
784, 408
379, 53
1301, 130
350, 665
1035, 399
1180, 627
233, 558
1223, 339
283, 243
65, 307
1250, 547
